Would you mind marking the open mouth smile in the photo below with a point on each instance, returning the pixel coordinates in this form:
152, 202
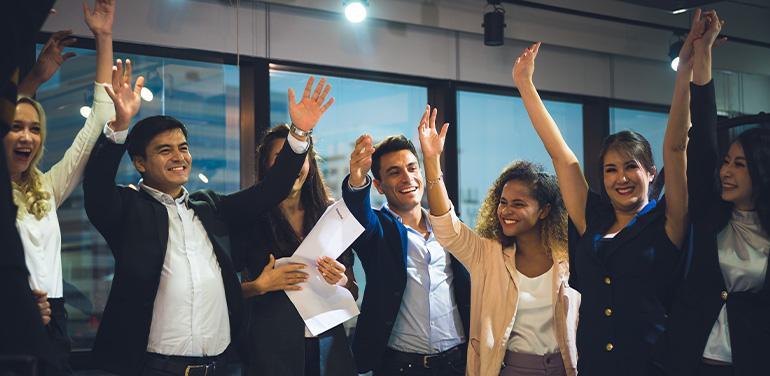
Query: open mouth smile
624, 191
728, 186
509, 222
408, 190
177, 169
23, 153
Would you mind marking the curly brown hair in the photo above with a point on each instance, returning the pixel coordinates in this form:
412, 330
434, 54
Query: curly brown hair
545, 189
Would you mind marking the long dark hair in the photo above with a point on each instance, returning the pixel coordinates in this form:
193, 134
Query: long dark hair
756, 148
276, 233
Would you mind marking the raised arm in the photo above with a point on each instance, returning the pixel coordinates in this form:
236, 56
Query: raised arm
48, 62
244, 207
100, 23
572, 182
453, 235
355, 191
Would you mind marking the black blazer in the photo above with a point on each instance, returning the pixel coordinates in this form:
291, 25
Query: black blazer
700, 299
135, 227
633, 279
382, 250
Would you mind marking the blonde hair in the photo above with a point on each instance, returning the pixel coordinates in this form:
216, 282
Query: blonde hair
545, 189
28, 193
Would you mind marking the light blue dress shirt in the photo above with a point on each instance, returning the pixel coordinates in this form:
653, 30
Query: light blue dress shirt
428, 321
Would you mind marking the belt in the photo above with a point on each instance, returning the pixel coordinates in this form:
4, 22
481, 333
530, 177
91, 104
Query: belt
183, 365
428, 361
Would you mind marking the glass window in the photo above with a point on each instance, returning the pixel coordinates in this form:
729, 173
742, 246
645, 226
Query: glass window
375, 108
651, 125
204, 96
495, 130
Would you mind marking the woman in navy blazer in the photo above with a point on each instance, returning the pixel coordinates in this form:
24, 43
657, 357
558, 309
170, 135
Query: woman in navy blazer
720, 323
626, 257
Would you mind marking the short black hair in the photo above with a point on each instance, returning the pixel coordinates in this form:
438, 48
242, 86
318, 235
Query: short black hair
146, 129
389, 145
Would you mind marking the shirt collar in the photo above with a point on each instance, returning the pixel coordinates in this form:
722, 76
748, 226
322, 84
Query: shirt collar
164, 198
386, 208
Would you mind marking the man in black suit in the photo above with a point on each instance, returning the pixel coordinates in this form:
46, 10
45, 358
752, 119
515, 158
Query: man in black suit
176, 303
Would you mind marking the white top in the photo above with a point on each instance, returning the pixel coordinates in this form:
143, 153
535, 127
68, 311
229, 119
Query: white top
533, 331
743, 250
190, 315
42, 238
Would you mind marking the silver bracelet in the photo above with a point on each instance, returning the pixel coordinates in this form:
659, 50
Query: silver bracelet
300, 132
431, 182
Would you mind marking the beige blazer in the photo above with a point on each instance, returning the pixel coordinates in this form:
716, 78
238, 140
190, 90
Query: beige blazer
495, 295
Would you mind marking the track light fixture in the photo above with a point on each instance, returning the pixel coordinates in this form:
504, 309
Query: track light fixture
673, 53
494, 24
355, 10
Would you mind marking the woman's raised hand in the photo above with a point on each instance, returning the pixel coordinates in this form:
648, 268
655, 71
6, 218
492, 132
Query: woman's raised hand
431, 141
525, 65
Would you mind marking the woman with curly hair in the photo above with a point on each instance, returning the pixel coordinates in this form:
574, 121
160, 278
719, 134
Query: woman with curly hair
291, 349
523, 312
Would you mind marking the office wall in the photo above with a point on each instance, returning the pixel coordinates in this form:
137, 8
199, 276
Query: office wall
442, 39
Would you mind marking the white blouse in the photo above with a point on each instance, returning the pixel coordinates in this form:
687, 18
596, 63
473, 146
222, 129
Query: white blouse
743, 250
42, 238
533, 331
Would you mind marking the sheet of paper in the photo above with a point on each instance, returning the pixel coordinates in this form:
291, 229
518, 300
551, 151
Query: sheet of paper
320, 304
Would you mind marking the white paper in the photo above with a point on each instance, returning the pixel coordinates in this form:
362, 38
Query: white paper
320, 304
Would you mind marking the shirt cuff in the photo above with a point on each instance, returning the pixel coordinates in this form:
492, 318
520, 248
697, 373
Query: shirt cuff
365, 186
298, 146
118, 137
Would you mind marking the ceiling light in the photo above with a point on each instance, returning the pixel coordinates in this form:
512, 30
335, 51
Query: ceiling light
355, 10
673, 53
494, 24
678, 11
85, 111
146, 94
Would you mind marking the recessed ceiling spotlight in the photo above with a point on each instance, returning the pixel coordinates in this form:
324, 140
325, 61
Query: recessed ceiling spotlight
355, 10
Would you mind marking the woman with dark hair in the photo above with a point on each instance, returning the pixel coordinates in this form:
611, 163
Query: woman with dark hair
523, 312
626, 259
720, 323
279, 342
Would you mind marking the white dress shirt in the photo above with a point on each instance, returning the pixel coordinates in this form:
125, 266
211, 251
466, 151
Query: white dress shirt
190, 315
41, 239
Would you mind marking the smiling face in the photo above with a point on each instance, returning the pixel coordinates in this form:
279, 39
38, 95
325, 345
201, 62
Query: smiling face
166, 166
518, 211
736, 182
23, 142
400, 180
275, 148
627, 183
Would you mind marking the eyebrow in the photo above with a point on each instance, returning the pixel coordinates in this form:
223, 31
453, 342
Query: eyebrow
161, 146
624, 163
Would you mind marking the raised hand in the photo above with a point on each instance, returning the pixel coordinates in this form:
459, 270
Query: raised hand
332, 270
305, 114
361, 161
50, 59
525, 65
281, 278
41, 298
700, 23
712, 28
100, 21
127, 102
431, 141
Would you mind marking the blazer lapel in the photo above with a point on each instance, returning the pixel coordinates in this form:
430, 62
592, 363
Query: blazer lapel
509, 256
630, 232
161, 219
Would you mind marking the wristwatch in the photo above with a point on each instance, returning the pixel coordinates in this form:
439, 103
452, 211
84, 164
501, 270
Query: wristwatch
300, 132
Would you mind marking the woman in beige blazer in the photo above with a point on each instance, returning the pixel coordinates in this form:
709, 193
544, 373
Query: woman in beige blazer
523, 313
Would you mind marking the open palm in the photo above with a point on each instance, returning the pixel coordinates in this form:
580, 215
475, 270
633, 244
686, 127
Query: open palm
100, 21
127, 101
431, 141
305, 114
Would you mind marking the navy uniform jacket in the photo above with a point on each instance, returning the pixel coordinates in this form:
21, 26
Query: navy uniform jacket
382, 249
703, 294
135, 226
625, 294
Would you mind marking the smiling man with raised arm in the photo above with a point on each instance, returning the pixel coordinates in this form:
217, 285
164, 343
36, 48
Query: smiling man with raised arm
416, 308
176, 304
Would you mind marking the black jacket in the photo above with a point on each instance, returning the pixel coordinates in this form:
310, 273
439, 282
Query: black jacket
135, 227
701, 298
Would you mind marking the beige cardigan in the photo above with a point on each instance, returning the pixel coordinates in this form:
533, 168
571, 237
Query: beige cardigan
495, 295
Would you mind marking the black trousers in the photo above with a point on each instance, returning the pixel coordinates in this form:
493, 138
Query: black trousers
58, 334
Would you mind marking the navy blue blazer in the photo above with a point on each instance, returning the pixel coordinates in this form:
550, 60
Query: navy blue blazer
626, 290
382, 249
703, 294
